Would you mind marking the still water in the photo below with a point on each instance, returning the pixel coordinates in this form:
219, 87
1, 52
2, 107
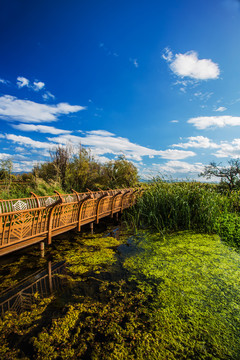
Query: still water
116, 295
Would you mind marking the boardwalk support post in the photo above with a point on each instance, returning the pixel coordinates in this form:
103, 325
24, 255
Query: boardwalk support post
53, 206
91, 227
42, 246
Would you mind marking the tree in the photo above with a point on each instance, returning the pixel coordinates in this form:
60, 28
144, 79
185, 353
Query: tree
229, 175
60, 159
6, 167
83, 171
120, 173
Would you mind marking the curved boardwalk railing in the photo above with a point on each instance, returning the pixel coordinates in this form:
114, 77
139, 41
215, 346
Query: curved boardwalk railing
24, 222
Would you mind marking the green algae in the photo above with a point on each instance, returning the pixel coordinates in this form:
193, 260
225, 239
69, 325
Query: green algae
179, 300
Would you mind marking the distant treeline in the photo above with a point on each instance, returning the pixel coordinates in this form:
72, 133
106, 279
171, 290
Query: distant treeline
68, 170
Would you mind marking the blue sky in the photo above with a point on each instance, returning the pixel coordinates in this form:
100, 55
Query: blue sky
157, 81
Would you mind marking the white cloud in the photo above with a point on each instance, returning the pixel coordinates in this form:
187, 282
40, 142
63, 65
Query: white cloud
22, 81
167, 55
204, 122
134, 62
109, 144
48, 96
2, 81
25, 166
183, 167
178, 169
12, 108
38, 85
188, 65
41, 129
4, 156
221, 108
229, 149
203, 96
26, 141
174, 121
99, 132
198, 142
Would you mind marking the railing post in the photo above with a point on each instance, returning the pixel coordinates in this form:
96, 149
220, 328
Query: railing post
90, 196
36, 197
50, 218
127, 192
113, 201
76, 193
98, 206
133, 196
60, 195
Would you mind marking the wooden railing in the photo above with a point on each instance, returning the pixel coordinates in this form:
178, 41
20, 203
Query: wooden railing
24, 222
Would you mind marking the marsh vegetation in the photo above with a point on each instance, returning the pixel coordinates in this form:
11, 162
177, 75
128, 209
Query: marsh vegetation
166, 286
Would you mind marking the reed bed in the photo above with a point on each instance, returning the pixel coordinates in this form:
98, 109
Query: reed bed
168, 207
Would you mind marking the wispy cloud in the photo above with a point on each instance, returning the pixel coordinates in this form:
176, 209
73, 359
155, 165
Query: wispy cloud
197, 142
4, 156
2, 81
103, 143
22, 81
190, 66
221, 109
134, 62
40, 128
36, 85
179, 167
204, 122
172, 168
12, 108
27, 141
48, 96
167, 54
229, 149
203, 96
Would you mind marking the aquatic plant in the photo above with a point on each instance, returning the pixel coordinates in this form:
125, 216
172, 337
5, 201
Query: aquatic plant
167, 207
179, 299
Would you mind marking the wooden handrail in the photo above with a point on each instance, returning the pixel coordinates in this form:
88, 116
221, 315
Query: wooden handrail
113, 201
25, 227
36, 197
88, 197
98, 206
52, 206
60, 195
77, 194
127, 192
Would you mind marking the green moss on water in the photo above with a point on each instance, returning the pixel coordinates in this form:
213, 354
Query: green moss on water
88, 254
179, 300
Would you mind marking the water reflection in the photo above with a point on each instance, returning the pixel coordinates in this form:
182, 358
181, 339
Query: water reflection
44, 282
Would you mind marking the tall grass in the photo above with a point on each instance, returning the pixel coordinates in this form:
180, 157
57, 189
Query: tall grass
180, 206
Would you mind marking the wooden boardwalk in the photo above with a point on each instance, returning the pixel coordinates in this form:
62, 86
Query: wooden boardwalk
24, 222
